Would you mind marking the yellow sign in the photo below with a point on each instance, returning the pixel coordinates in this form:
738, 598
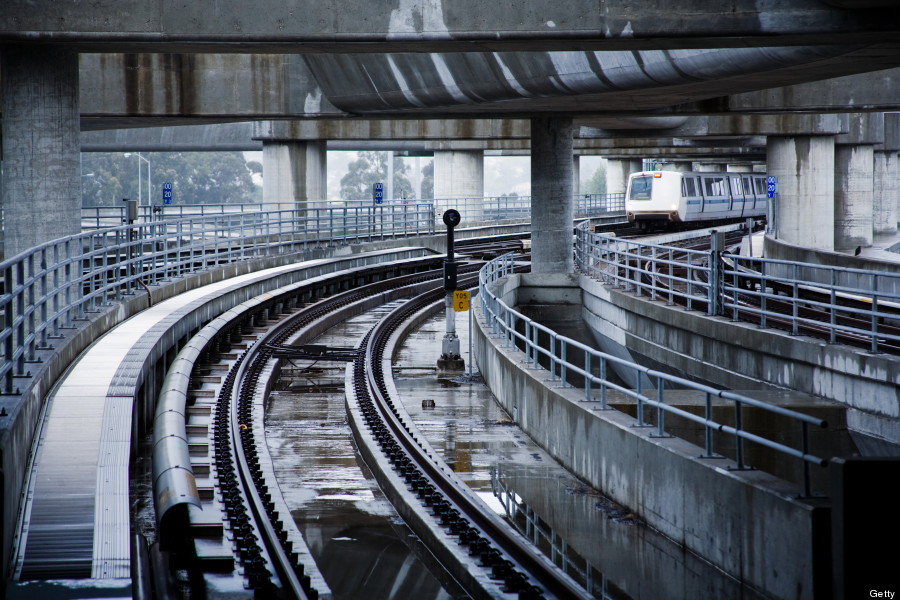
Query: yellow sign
461, 300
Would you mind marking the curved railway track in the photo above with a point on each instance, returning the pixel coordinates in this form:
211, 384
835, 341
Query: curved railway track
269, 565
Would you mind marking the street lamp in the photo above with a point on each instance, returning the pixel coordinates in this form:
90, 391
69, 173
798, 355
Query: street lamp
149, 180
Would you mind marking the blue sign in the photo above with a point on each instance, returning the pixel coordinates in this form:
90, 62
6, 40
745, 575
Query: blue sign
378, 193
167, 193
770, 186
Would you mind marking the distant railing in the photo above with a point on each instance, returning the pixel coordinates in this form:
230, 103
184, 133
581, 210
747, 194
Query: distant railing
46, 289
522, 333
473, 210
858, 305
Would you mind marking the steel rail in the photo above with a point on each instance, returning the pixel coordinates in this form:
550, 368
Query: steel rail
458, 501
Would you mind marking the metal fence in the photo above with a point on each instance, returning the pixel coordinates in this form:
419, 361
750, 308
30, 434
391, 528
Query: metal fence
46, 289
522, 333
473, 210
855, 306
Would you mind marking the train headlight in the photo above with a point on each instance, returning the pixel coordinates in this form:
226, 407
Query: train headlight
674, 206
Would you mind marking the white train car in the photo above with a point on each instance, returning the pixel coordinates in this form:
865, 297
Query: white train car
666, 197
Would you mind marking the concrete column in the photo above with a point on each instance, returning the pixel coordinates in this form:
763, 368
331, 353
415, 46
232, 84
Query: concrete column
617, 172
853, 196
40, 192
886, 186
680, 167
886, 193
709, 167
804, 207
295, 172
576, 175
552, 206
459, 174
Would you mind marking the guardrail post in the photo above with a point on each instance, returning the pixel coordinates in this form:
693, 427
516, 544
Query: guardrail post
738, 440
716, 246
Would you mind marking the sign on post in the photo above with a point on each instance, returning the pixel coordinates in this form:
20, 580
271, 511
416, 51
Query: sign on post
378, 192
771, 186
461, 300
167, 193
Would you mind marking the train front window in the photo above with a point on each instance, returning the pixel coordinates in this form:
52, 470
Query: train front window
641, 187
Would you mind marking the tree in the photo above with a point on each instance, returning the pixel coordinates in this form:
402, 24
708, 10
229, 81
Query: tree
427, 189
196, 178
597, 183
369, 169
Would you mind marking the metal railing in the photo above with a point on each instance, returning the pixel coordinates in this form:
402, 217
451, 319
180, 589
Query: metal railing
500, 208
46, 289
473, 210
544, 537
841, 304
522, 333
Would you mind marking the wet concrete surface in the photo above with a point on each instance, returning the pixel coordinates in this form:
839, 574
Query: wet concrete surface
475, 436
362, 547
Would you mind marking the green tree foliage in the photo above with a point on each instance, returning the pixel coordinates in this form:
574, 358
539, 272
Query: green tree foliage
369, 169
427, 190
196, 178
597, 183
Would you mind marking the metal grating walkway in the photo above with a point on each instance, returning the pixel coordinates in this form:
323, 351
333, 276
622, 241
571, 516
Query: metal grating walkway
76, 522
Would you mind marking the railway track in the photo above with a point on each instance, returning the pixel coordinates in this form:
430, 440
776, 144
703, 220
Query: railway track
255, 524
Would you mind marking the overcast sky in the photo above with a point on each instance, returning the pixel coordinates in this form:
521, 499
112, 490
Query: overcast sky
502, 174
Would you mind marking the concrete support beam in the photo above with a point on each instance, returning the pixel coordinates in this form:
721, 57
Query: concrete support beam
459, 174
40, 189
294, 172
552, 206
804, 207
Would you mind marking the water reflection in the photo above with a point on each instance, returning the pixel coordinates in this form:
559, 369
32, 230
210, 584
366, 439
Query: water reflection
358, 542
473, 434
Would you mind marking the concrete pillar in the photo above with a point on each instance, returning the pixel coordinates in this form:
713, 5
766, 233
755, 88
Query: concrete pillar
886, 185
617, 172
709, 167
680, 167
804, 207
576, 175
295, 172
552, 206
853, 196
40, 192
886, 193
459, 174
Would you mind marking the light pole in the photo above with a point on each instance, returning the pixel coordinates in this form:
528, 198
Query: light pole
149, 179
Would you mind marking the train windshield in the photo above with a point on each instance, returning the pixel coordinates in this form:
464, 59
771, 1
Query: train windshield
641, 188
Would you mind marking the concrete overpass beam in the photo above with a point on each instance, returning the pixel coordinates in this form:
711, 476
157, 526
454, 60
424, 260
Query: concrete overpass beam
804, 169
40, 189
294, 172
552, 203
459, 174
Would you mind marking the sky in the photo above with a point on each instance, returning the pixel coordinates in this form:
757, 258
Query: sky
502, 174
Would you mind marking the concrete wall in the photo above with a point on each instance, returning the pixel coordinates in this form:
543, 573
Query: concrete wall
742, 356
746, 522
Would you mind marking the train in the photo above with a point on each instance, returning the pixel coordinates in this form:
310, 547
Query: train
665, 198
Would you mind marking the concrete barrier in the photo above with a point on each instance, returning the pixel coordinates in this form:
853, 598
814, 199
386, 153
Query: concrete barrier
748, 523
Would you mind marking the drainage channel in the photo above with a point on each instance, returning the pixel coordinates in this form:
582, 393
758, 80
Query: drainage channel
461, 420
358, 541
